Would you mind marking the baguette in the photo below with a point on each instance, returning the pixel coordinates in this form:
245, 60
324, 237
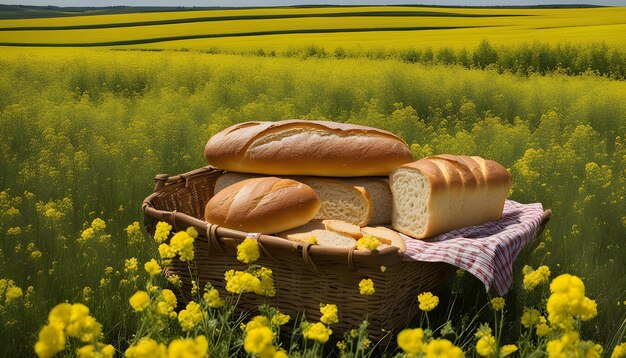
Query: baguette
299, 147
263, 205
446, 192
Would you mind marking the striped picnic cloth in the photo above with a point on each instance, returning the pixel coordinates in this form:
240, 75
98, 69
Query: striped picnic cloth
486, 251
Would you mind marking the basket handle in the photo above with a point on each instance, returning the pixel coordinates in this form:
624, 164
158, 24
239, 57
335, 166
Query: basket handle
162, 180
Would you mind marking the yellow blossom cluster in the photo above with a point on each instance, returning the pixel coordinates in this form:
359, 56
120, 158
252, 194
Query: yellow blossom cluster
412, 343
367, 242
568, 302
259, 281
181, 347
190, 316
131, 264
166, 303
133, 233
259, 339
213, 299
497, 304
279, 319
248, 251
570, 345
533, 318
139, 301
366, 287
97, 227
533, 278
427, 301
180, 244
619, 351
317, 332
8, 291
67, 320
329, 314
162, 232
100, 350
152, 267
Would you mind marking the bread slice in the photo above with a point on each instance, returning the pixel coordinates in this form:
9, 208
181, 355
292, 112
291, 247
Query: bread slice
447, 192
320, 237
379, 192
340, 200
343, 228
386, 236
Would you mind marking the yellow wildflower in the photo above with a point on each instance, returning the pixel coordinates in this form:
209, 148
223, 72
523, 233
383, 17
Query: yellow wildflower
427, 301
280, 319
497, 304
442, 348
12, 294
14, 230
530, 317
257, 340
86, 235
102, 351
508, 349
542, 328
486, 346
36, 254
317, 332
533, 278
241, 282
367, 242
166, 252
190, 316
133, 232
162, 232
139, 301
257, 322
167, 303
482, 331
152, 267
81, 325
248, 251
266, 287
59, 316
182, 244
175, 280
192, 232
411, 341
189, 347
51, 341
619, 351
108, 270
567, 301
341, 345
564, 346
312, 240
366, 287
329, 314
98, 224
130, 264
146, 348
212, 298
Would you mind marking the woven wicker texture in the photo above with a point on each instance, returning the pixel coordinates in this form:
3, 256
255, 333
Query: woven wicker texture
304, 275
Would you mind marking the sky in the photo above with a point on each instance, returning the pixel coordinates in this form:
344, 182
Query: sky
248, 3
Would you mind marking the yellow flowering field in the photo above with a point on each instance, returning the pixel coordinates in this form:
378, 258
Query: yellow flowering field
84, 132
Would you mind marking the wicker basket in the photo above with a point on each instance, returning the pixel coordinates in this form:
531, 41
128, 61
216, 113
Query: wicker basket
304, 275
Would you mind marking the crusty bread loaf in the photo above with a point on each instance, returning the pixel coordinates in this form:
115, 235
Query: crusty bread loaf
264, 205
379, 192
446, 192
339, 200
320, 237
299, 147
386, 236
343, 228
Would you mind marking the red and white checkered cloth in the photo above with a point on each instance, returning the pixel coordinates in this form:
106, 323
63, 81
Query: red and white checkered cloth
486, 251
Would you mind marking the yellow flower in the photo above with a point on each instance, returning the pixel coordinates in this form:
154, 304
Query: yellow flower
192, 232
497, 303
212, 298
12, 294
568, 301
257, 340
146, 348
329, 314
427, 301
175, 280
366, 287
166, 252
563, 347
533, 278
257, 322
248, 251
36, 254
530, 317
411, 341
508, 349
317, 332
139, 301
482, 331
189, 348
98, 224
102, 351
152, 267
190, 316
82, 325
367, 242
130, 264
133, 232
162, 231
167, 303
51, 341
14, 230
442, 348
108, 270
486, 346
182, 244
241, 282
280, 319
619, 351
542, 328
86, 235
59, 316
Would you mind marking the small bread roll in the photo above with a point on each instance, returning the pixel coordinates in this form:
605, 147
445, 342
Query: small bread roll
264, 205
